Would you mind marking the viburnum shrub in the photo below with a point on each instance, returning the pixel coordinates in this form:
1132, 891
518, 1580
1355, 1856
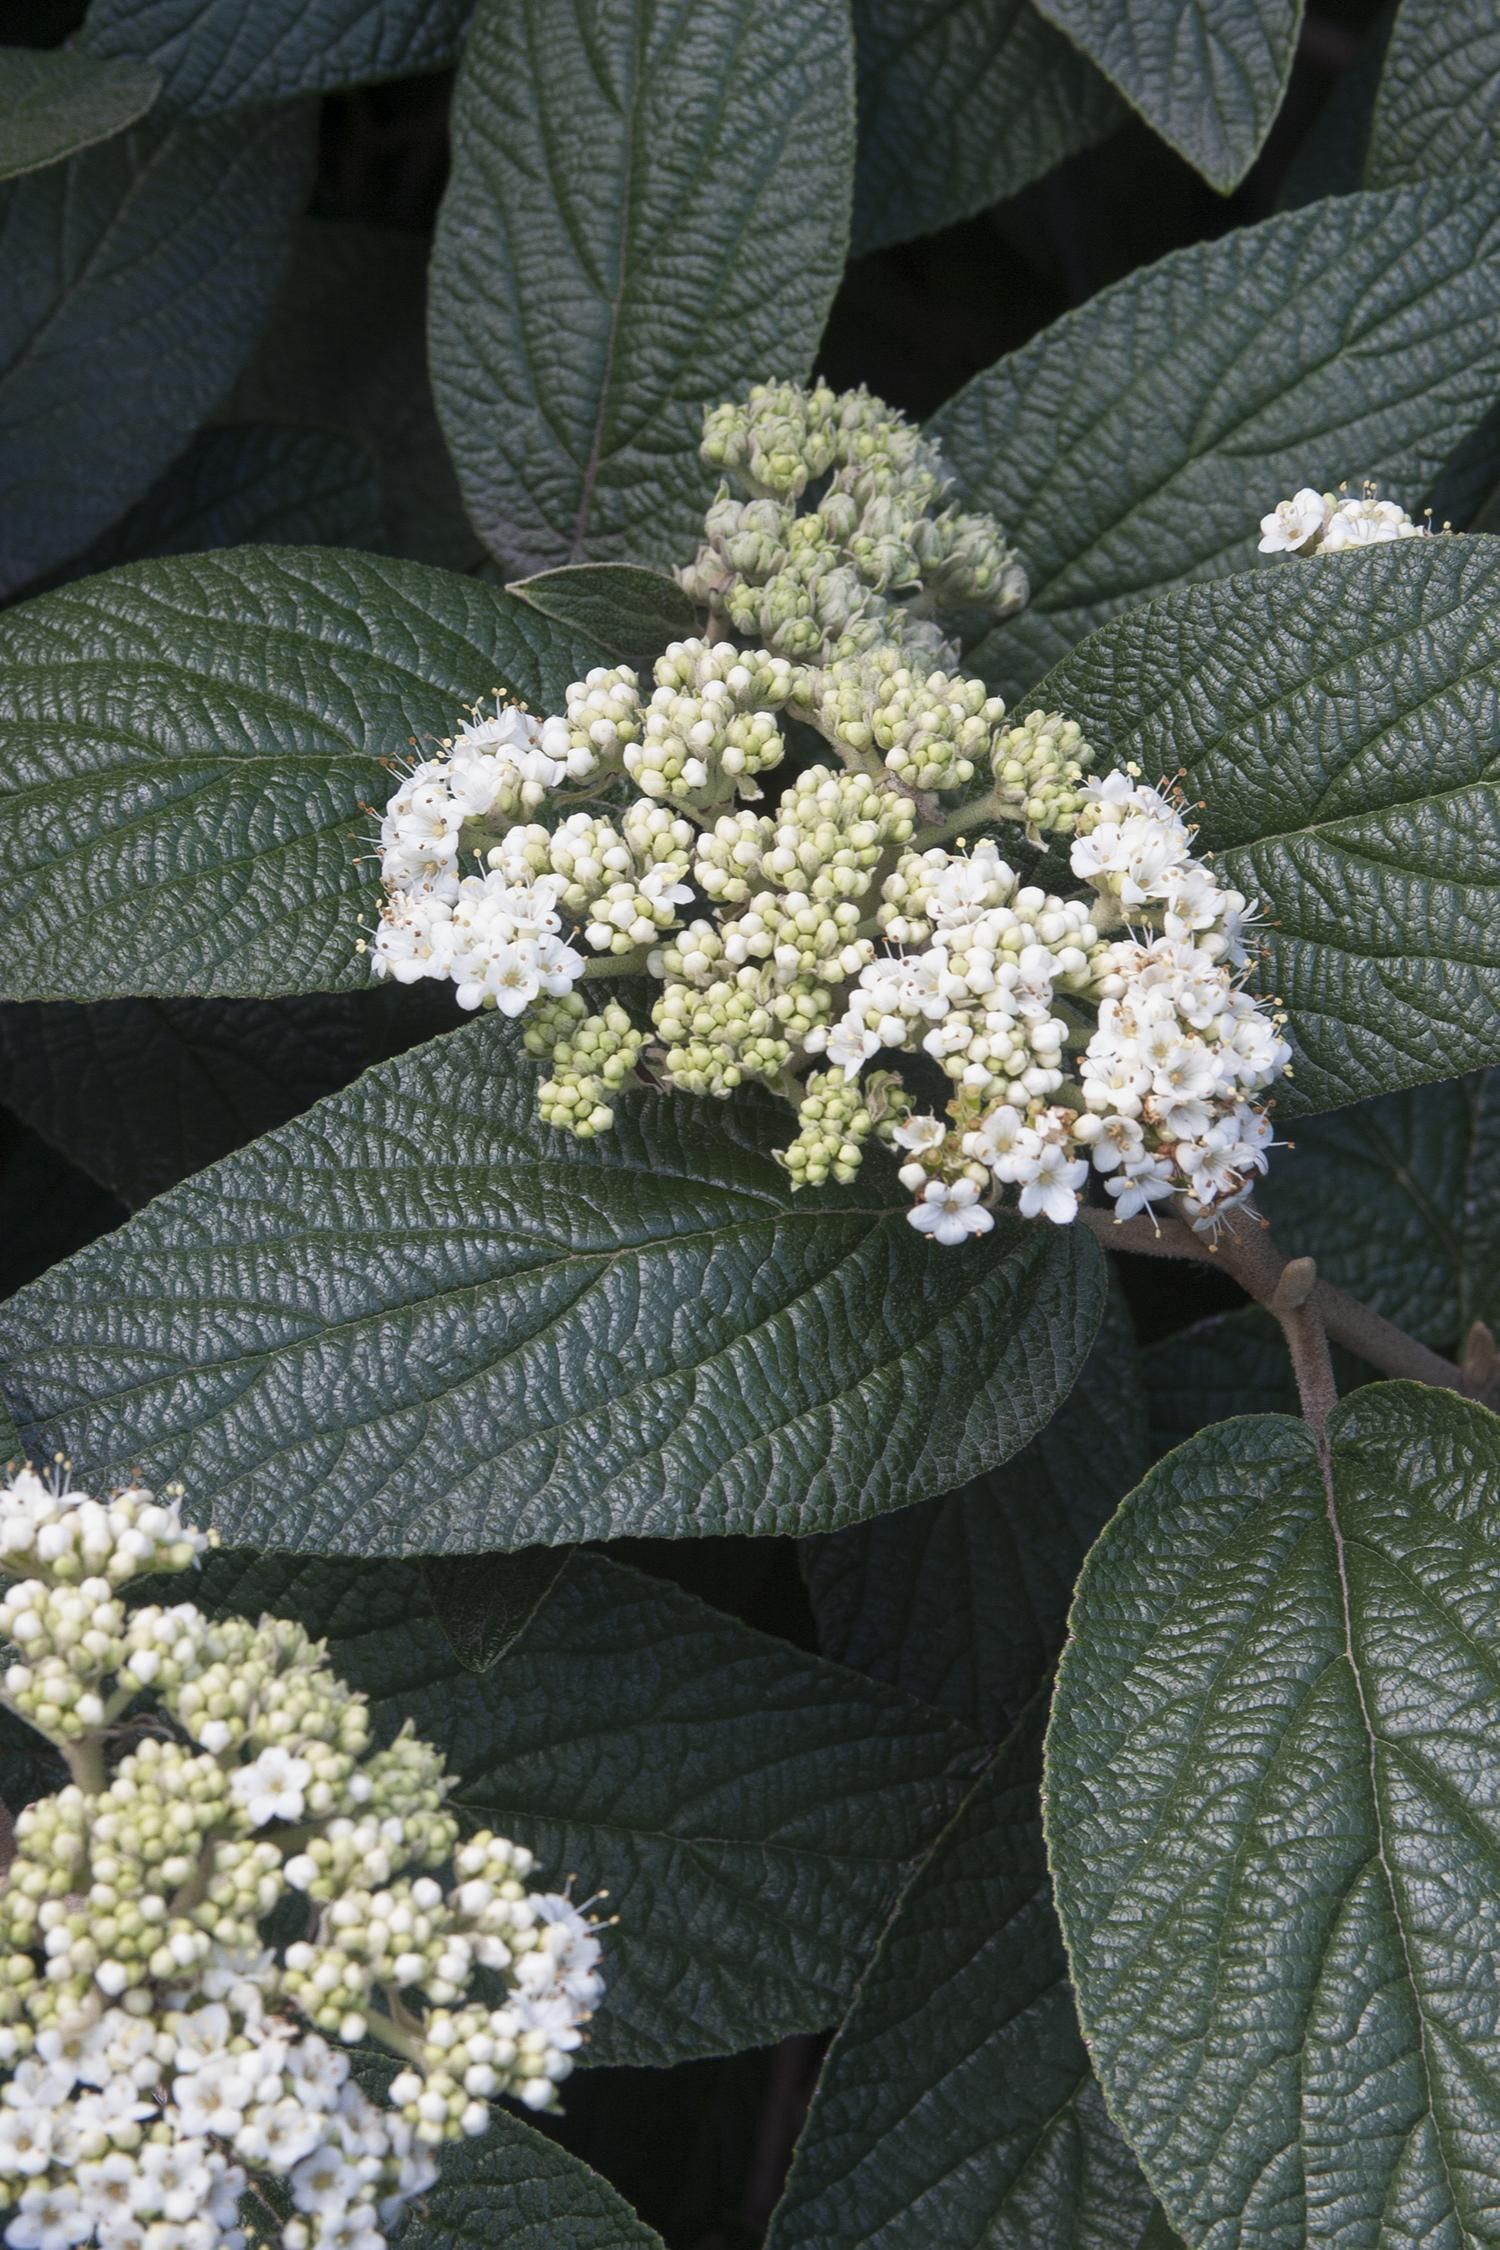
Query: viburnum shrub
640, 909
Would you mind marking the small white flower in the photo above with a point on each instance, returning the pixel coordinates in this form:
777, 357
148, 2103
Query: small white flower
1293, 523
271, 1787
1051, 1184
950, 1212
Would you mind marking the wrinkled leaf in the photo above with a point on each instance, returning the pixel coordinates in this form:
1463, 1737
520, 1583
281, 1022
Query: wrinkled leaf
1270, 1808
54, 102
139, 1093
219, 54
517, 2187
632, 612
485, 1602
10, 1441
242, 483
1399, 1201
648, 212
1207, 74
962, 1601
1338, 726
1436, 112
957, 2104
751, 1811
418, 1321
137, 275
933, 82
188, 746
1137, 442
344, 347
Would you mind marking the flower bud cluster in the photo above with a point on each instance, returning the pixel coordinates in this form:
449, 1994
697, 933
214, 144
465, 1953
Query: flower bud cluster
1330, 523
162, 2055
857, 569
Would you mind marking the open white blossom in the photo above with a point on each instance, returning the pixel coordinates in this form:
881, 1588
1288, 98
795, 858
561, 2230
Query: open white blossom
159, 2054
1331, 523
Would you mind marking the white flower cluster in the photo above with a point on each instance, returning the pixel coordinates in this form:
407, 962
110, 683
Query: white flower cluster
1331, 523
163, 2054
1107, 1032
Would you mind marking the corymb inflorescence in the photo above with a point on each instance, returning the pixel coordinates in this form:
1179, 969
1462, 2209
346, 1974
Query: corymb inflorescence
845, 928
238, 1883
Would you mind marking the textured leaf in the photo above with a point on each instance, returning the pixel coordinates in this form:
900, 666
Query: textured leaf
632, 612
648, 212
47, 1208
218, 54
485, 1602
137, 275
962, 1601
1231, 1363
957, 2104
187, 748
242, 483
1137, 442
960, 105
55, 102
345, 348
751, 1810
10, 1440
139, 1093
1207, 74
1339, 724
517, 2187
417, 1321
1436, 111
1399, 1201
1271, 1814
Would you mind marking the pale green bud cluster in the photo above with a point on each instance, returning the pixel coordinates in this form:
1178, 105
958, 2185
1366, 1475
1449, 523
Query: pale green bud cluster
834, 1120
930, 730
592, 1057
1039, 768
720, 1030
221, 1767
832, 580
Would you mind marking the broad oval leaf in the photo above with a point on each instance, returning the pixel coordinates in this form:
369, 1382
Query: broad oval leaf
1137, 442
752, 1811
1337, 723
417, 1321
1436, 109
1399, 1201
628, 610
957, 2104
188, 749
53, 102
1209, 75
218, 54
1271, 1791
484, 1603
137, 275
932, 82
962, 1600
648, 212
515, 2186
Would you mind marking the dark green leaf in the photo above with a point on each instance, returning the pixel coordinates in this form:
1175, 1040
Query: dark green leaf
1232, 1363
1399, 1202
219, 54
648, 212
485, 1602
345, 348
1207, 74
10, 1441
1137, 442
139, 1093
417, 1321
632, 612
47, 1208
934, 84
1436, 112
188, 746
518, 2188
1338, 723
136, 277
752, 1811
957, 2104
248, 482
962, 1601
55, 102
1330, 158
1159, 2234
1271, 1813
